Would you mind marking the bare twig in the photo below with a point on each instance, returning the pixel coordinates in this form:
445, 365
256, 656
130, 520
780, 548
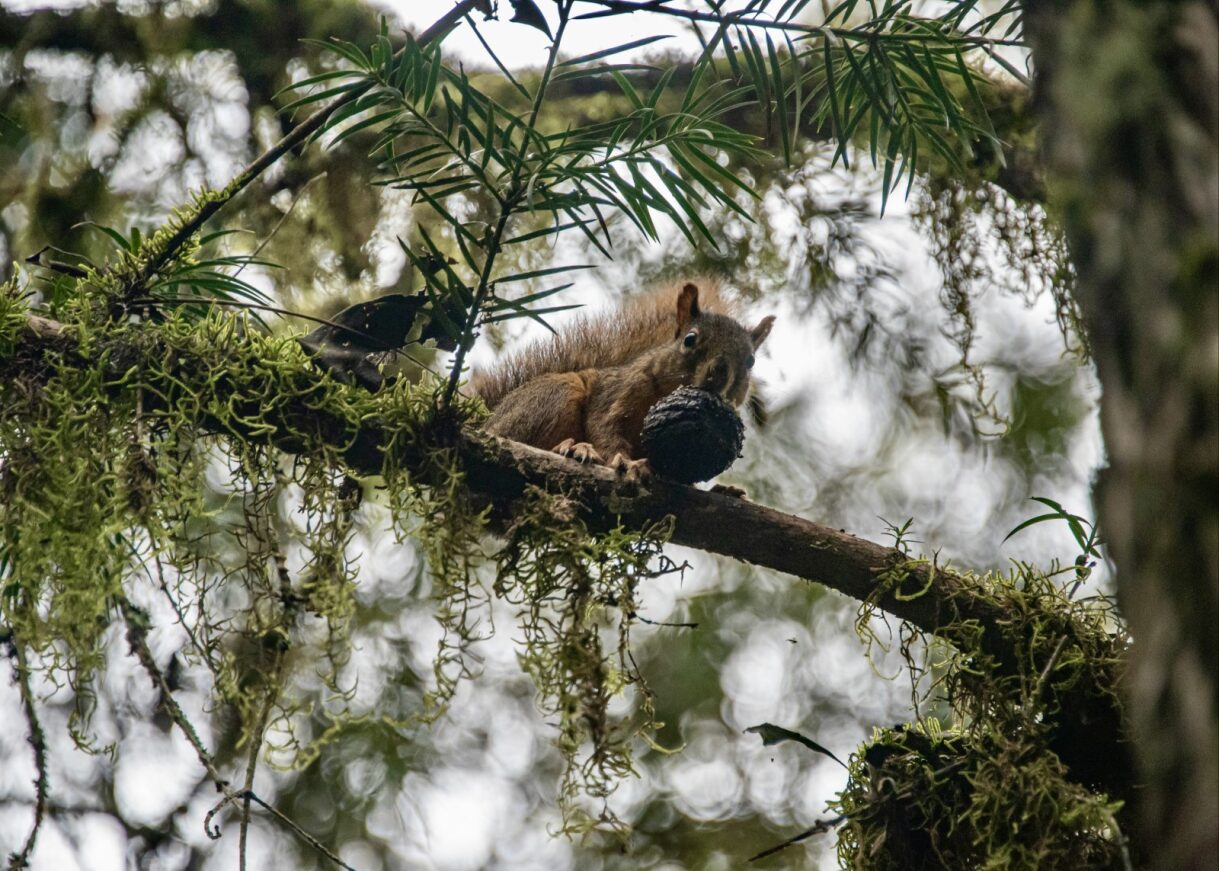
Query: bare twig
38, 742
746, 18
665, 623
137, 638
255, 739
301, 833
818, 828
287, 214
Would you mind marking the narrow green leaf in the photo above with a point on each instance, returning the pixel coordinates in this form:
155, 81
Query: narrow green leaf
607, 52
429, 87
1040, 518
685, 159
345, 49
551, 230
316, 80
537, 273
780, 93
521, 302
730, 53
371, 121
321, 96
628, 90
604, 69
688, 204
208, 238
888, 183
832, 97
662, 85
115, 236
1050, 503
535, 314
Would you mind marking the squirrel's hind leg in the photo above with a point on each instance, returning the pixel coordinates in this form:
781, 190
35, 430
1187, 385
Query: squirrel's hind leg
547, 411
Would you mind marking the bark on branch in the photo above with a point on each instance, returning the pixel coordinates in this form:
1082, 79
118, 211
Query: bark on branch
1088, 725
499, 471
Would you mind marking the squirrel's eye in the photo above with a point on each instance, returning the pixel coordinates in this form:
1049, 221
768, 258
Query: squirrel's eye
690, 339
749, 362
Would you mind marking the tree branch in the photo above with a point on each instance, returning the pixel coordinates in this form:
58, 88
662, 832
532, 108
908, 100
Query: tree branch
499, 474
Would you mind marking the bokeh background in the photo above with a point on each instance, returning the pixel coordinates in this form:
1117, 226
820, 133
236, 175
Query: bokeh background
884, 405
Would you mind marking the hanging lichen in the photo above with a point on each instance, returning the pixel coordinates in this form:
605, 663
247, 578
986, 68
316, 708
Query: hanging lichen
201, 462
978, 780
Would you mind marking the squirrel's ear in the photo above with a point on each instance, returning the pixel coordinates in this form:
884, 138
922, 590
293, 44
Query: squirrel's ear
759, 333
687, 308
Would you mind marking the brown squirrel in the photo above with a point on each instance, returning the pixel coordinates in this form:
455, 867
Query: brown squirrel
585, 392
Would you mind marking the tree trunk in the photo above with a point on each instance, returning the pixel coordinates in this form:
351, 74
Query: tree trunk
1128, 96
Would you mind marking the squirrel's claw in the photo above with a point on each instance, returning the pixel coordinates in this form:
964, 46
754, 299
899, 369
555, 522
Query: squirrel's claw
581, 452
634, 471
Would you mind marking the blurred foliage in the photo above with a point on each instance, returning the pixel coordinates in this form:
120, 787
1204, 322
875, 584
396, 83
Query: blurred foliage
113, 114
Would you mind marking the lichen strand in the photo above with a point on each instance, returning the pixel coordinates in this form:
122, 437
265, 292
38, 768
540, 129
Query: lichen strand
962, 220
571, 592
575, 592
120, 485
145, 465
979, 779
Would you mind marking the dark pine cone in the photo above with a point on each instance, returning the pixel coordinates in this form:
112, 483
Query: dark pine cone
692, 435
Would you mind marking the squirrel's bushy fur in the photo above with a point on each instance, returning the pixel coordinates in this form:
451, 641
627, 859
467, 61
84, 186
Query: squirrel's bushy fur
585, 392
597, 340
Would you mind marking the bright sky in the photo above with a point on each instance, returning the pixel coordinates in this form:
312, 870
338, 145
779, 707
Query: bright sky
519, 46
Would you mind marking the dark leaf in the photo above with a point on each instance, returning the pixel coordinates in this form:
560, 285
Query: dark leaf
352, 345
527, 12
772, 734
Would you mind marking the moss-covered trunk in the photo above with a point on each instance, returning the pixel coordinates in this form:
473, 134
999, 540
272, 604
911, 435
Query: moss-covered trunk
1128, 94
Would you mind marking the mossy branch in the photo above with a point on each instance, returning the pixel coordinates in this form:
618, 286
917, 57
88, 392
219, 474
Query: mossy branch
1002, 628
500, 472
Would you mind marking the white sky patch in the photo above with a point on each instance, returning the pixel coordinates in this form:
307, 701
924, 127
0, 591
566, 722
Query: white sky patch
149, 756
519, 46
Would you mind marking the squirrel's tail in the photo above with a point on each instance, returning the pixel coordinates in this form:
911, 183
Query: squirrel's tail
597, 341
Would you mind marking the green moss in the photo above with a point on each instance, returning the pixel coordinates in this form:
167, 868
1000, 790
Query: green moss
155, 460
979, 780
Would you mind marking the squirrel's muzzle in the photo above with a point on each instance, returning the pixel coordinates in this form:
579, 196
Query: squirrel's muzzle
716, 377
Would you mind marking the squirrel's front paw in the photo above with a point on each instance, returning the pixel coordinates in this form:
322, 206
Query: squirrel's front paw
581, 452
634, 471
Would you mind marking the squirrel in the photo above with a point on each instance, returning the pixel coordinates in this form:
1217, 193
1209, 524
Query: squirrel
584, 393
